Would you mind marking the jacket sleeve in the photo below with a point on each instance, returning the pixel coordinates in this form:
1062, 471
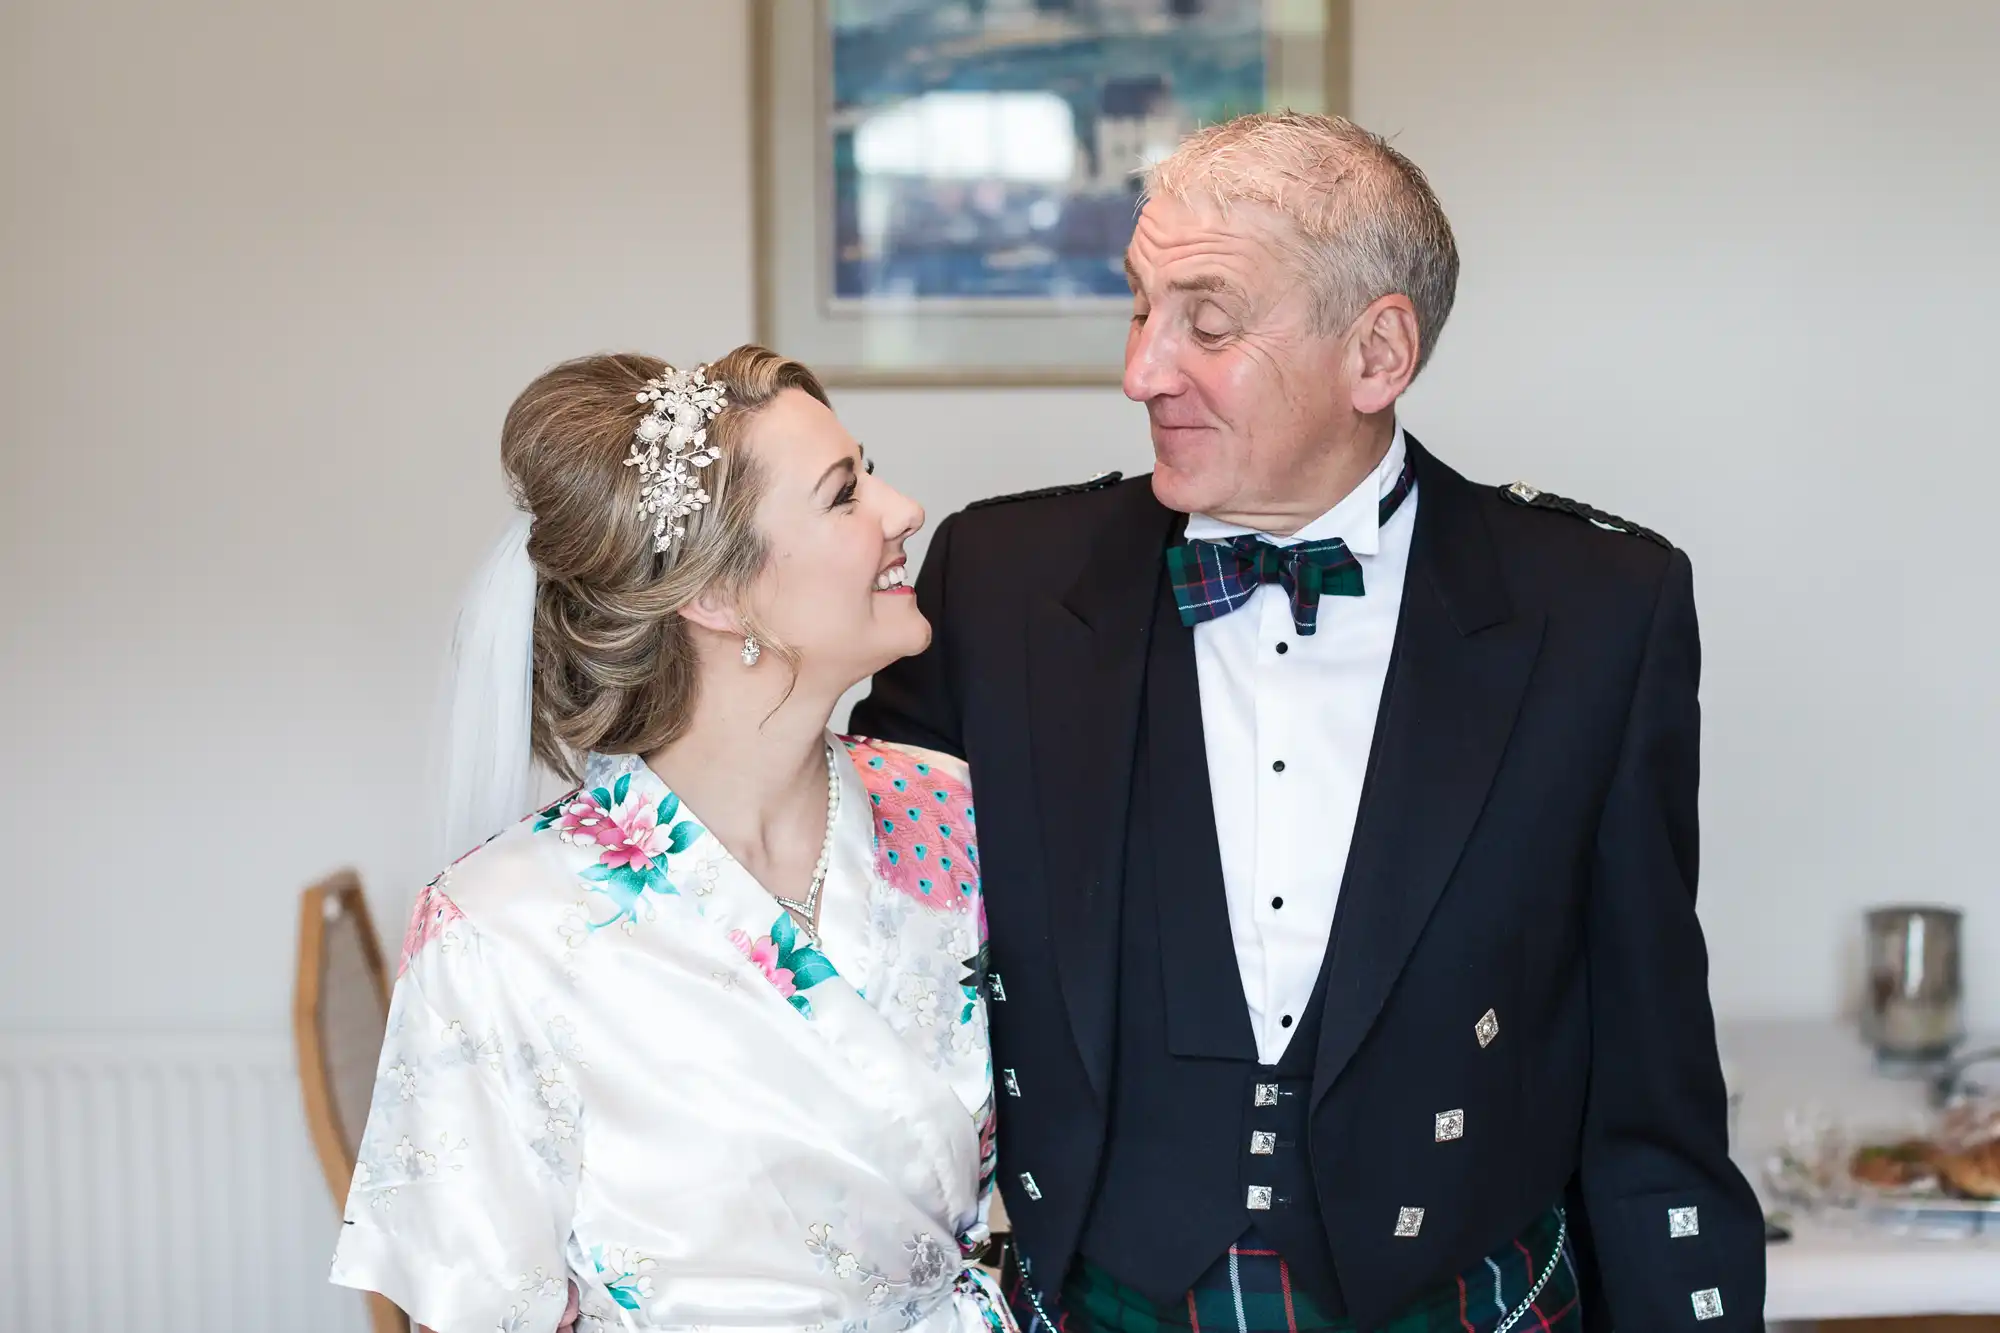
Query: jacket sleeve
1677, 1232
914, 701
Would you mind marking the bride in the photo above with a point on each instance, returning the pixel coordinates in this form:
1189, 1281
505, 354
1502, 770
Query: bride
705, 1038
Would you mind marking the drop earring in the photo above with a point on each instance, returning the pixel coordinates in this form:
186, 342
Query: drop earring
752, 650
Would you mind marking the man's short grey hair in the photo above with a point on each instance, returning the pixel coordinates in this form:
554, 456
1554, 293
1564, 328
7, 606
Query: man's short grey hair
1366, 221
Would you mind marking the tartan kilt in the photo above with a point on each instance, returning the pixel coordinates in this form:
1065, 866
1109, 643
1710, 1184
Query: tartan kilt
1526, 1286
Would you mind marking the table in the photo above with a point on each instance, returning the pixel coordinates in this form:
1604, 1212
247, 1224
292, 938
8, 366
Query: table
1829, 1270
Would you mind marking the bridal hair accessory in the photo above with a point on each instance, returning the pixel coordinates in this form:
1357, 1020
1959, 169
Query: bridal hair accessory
671, 447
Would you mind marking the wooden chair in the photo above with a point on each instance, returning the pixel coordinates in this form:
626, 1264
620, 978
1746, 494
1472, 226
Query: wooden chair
339, 1008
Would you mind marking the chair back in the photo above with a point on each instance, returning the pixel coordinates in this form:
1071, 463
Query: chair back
340, 1006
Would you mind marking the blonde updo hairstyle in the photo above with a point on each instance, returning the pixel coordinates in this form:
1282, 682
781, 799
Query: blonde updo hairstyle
615, 668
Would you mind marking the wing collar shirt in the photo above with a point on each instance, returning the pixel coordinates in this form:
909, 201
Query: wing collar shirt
1288, 721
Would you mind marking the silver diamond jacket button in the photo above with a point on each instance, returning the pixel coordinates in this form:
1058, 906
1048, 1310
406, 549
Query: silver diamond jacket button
1409, 1221
1267, 1094
1028, 1185
1487, 1028
1707, 1303
995, 988
1013, 1083
1683, 1222
1259, 1200
1450, 1125
1263, 1143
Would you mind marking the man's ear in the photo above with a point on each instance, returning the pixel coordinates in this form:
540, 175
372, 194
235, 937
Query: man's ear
1383, 350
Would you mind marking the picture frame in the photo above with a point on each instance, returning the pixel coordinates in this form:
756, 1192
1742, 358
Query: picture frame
944, 188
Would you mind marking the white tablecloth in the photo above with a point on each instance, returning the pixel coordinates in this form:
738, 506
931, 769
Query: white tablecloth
1830, 1270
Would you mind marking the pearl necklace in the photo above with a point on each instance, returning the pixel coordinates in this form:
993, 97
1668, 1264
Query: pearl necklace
808, 910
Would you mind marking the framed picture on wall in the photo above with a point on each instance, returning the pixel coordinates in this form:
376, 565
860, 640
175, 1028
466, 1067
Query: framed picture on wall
946, 187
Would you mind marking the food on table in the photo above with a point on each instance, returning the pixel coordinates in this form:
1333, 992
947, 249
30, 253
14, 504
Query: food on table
1895, 1165
1974, 1173
1960, 1157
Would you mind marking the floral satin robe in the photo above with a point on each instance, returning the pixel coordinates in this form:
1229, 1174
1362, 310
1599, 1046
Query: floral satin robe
612, 1058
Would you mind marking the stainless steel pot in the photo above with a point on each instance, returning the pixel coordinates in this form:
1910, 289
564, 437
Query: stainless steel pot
1914, 1012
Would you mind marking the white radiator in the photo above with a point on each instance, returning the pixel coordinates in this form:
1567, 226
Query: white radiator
162, 1184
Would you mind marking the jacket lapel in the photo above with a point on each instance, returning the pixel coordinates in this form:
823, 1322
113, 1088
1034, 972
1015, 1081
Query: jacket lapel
1461, 661
1086, 669
1205, 1012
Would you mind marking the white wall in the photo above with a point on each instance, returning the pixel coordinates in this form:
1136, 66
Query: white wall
1730, 270
272, 274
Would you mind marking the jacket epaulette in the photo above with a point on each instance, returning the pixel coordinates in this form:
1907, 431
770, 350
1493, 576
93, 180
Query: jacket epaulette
1521, 493
1096, 483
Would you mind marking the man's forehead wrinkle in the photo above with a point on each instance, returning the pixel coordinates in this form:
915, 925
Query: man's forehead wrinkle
1205, 263
1223, 247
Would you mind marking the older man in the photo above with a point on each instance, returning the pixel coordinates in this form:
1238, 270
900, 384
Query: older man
1338, 821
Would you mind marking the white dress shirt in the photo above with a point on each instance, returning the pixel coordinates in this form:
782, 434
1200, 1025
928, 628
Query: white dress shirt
1288, 721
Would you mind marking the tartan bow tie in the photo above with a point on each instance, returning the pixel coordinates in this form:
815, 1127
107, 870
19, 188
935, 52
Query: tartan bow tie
1213, 578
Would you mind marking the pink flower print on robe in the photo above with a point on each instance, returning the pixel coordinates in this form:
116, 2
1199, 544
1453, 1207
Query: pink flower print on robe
632, 835
763, 954
581, 819
428, 920
629, 835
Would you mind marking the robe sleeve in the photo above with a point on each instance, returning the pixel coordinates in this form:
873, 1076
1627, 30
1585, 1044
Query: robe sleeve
463, 1195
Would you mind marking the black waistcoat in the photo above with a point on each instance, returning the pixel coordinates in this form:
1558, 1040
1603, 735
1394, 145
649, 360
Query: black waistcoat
1199, 1130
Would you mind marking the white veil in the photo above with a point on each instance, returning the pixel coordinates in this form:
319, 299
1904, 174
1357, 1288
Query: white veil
490, 778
